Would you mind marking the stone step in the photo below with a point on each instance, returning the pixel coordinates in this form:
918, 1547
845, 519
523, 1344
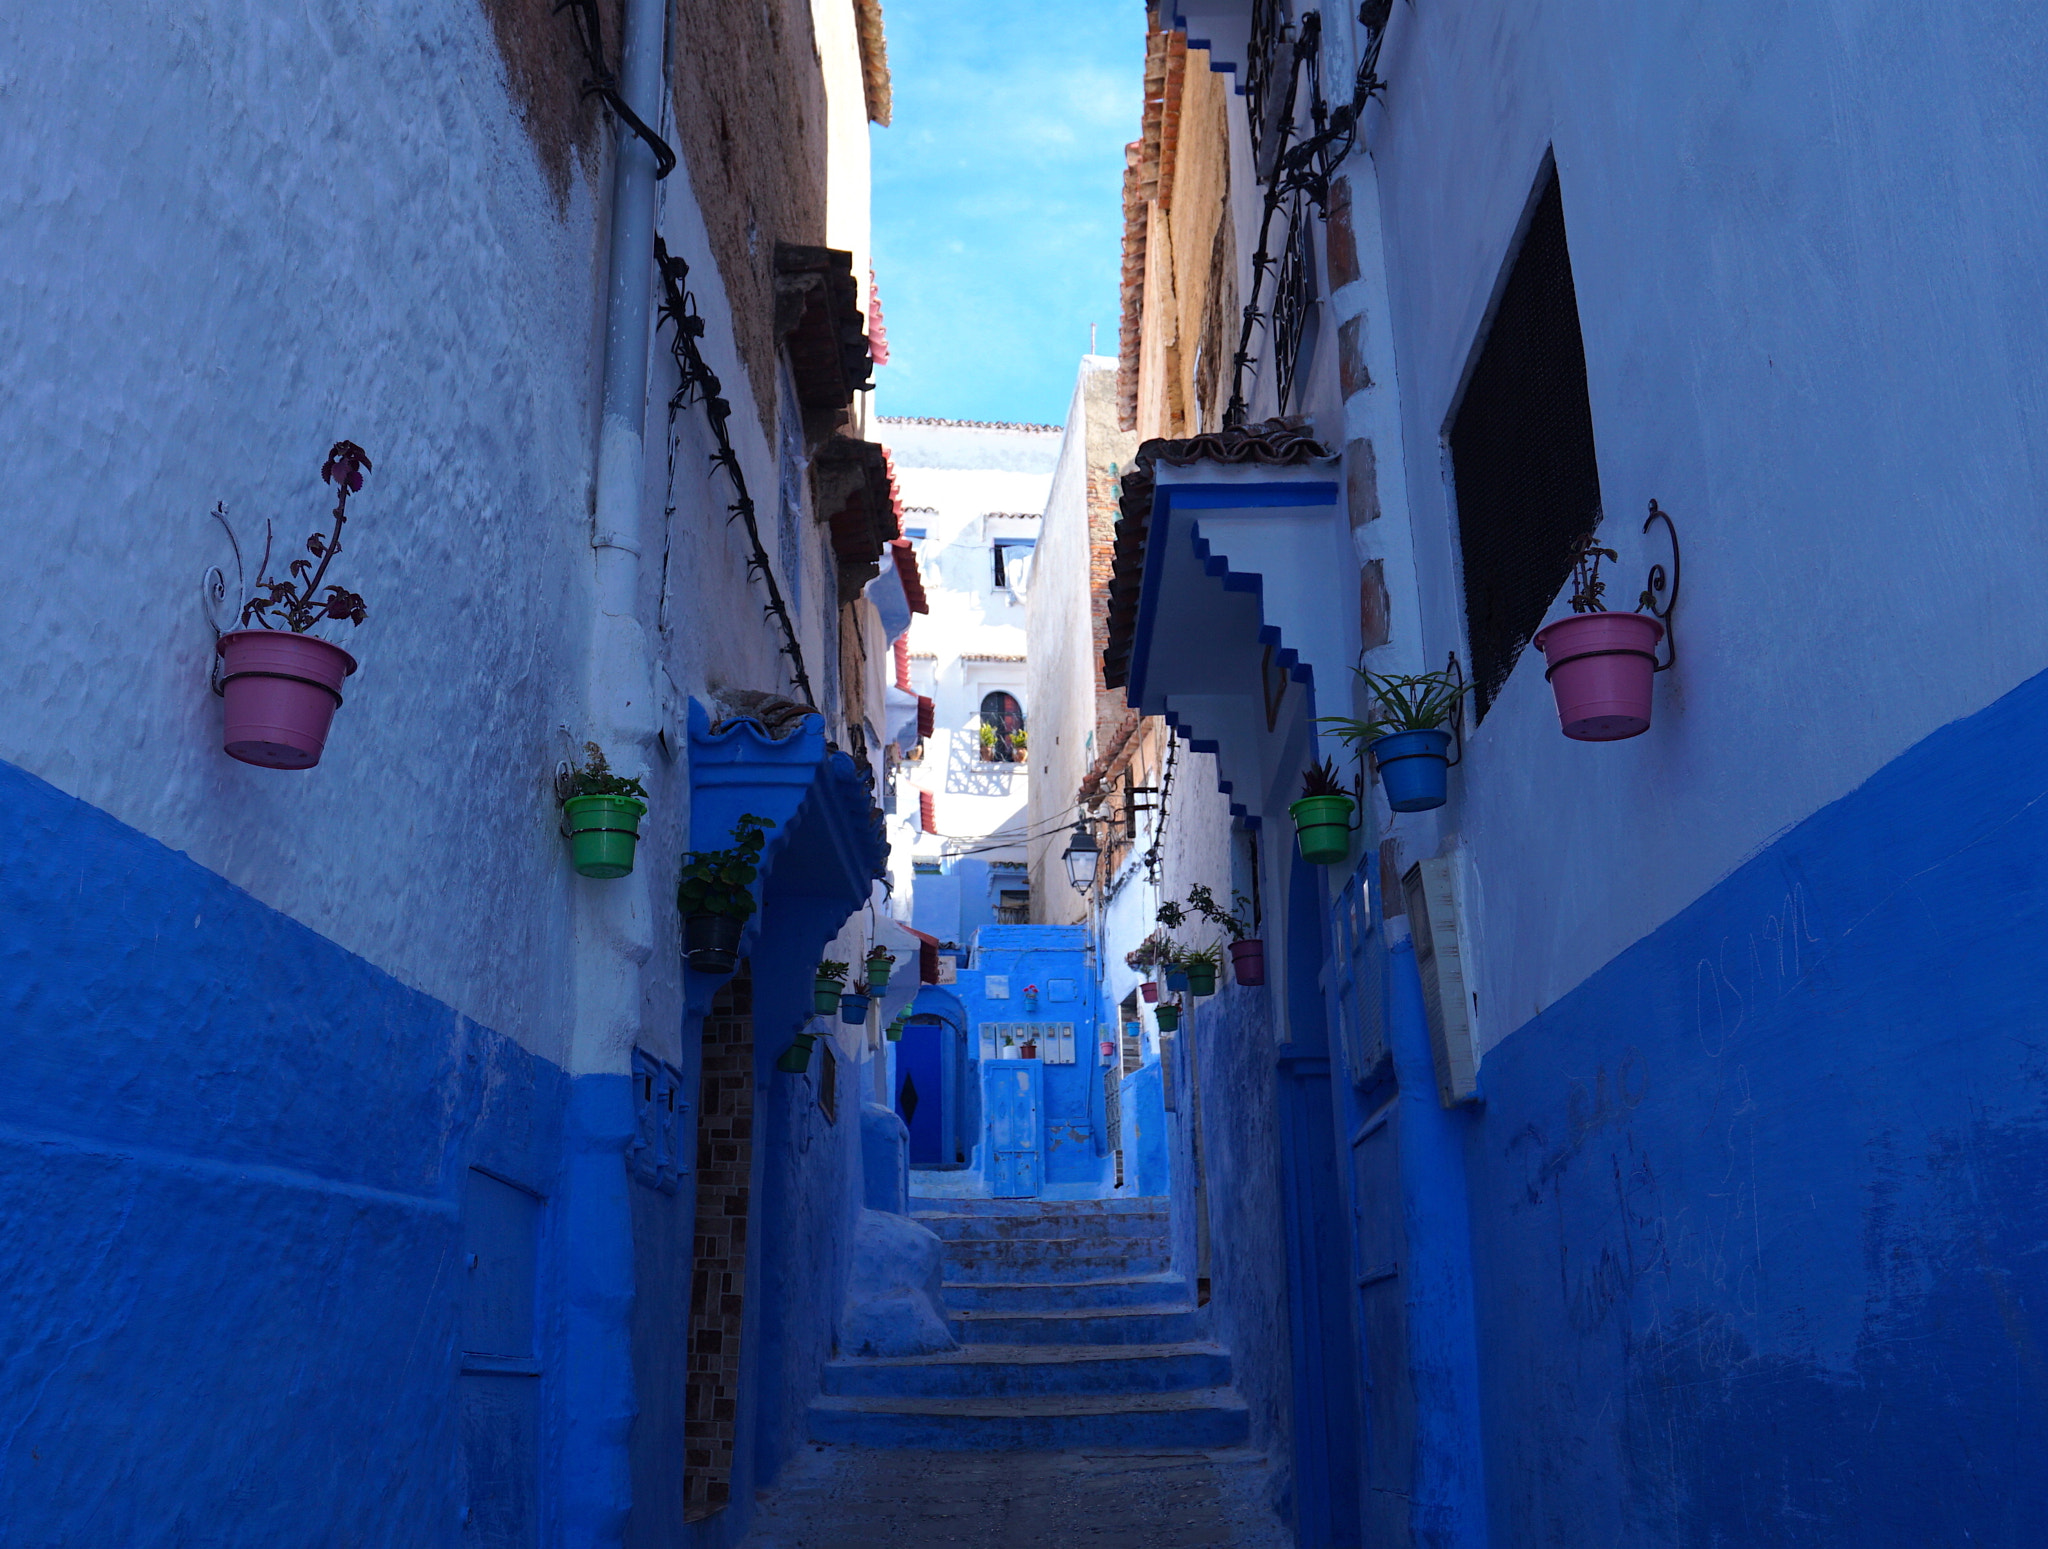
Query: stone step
1144, 1227
1013, 1371
1163, 1324
1204, 1417
922, 1205
1059, 1295
1047, 1259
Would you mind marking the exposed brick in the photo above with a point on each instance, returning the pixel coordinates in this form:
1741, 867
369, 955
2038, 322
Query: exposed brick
1362, 482
1373, 626
1340, 236
1352, 376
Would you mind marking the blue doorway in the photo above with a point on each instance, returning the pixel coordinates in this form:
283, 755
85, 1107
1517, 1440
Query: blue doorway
920, 1089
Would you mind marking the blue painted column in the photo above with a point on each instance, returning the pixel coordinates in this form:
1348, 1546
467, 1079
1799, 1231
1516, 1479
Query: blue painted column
1447, 1506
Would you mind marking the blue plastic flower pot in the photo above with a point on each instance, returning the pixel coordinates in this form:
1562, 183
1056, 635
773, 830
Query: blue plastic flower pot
1176, 978
1414, 768
853, 1009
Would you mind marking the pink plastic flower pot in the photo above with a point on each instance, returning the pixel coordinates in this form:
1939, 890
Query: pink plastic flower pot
281, 692
1601, 668
1248, 962
1150, 990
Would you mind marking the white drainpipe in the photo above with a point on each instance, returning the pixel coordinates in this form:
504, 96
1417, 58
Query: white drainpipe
613, 920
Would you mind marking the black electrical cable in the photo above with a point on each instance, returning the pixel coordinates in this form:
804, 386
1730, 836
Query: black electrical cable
602, 83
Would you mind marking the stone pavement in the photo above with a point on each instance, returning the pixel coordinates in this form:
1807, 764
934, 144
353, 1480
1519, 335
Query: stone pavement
862, 1498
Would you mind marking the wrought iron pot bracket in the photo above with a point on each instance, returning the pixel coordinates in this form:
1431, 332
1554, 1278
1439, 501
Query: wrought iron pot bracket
1653, 590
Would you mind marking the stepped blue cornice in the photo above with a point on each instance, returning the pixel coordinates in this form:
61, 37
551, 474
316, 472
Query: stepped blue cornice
1247, 609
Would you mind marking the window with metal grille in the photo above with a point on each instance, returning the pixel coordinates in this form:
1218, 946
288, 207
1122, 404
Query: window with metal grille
1522, 457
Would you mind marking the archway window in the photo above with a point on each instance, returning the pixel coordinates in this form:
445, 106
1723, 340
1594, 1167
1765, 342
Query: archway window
1002, 729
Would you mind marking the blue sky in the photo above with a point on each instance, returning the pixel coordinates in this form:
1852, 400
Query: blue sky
998, 205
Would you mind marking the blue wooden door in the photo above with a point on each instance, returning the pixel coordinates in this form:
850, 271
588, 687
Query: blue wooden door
1014, 1125
920, 1094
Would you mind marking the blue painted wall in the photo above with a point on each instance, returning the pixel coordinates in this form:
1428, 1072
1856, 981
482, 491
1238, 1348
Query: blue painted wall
1761, 1236
1147, 1169
233, 1160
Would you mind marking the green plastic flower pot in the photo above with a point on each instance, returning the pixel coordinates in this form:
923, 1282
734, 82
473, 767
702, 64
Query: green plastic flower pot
878, 974
1201, 978
825, 995
796, 1059
1169, 1018
1323, 825
894, 1034
602, 833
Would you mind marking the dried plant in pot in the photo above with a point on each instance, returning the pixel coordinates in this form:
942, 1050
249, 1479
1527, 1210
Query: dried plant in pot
280, 684
1322, 817
1406, 736
715, 896
601, 813
1601, 665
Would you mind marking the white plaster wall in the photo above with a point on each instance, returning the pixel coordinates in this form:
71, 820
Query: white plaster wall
1806, 247
228, 236
951, 477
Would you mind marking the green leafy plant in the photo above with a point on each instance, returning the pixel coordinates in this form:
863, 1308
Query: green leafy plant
1149, 953
835, 972
721, 881
595, 778
1587, 587
1210, 958
1236, 921
1407, 702
1321, 780
1171, 915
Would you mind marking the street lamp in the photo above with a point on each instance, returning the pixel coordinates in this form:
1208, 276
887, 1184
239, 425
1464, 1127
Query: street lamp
1082, 855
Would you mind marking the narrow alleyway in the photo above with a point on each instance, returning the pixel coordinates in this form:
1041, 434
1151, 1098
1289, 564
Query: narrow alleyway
1083, 1405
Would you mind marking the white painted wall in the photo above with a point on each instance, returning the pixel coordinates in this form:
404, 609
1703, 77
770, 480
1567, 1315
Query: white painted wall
283, 233
1805, 247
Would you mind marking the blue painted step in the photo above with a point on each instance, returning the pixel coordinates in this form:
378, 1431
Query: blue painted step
1012, 1371
1203, 1417
1039, 1295
1044, 1261
1156, 1325
1147, 1204
1148, 1229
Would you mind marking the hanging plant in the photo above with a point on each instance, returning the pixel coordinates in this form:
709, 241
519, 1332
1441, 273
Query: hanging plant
1601, 665
280, 685
1202, 965
827, 986
602, 812
1247, 951
715, 896
853, 1005
1322, 817
1169, 1018
1405, 735
881, 962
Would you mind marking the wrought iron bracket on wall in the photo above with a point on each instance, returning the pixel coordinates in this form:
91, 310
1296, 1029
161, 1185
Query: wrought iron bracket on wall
1653, 601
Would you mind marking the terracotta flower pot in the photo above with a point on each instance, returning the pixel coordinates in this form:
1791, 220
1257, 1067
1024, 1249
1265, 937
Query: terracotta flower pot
1028, 1051
1248, 962
1602, 668
279, 692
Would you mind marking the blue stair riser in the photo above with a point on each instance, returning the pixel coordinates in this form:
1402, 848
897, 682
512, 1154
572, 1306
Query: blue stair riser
1218, 1427
1163, 1327
1178, 1372
1059, 1296
981, 1265
1143, 1230
1142, 1204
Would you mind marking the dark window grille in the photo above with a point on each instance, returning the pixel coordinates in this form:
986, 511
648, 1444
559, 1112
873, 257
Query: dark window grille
1522, 455
1294, 300
1002, 729
1269, 55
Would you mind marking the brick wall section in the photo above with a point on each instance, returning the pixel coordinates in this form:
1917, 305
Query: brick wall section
725, 1155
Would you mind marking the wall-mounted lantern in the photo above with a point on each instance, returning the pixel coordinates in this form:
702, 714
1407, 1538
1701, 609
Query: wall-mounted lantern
1082, 856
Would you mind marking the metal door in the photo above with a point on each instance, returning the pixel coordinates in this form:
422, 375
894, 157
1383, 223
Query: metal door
1014, 1124
920, 1095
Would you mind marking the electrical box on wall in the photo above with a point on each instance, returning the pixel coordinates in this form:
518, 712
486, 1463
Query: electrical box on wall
1431, 891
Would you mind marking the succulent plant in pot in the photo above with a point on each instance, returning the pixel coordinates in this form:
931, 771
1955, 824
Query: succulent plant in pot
881, 961
1405, 735
827, 986
1322, 817
716, 896
601, 811
1601, 665
281, 684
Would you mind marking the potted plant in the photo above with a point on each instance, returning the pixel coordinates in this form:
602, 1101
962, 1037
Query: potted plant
1247, 952
827, 986
1601, 665
1176, 973
1171, 957
1405, 735
796, 1059
280, 686
1009, 1043
1154, 950
1169, 1018
853, 1005
880, 963
1202, 966
894, 1032
1028, 1050
1322, 817
716, 896
1149, 990
1030, 997
601, 812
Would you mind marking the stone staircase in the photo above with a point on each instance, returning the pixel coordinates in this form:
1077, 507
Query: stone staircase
1073, 1331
